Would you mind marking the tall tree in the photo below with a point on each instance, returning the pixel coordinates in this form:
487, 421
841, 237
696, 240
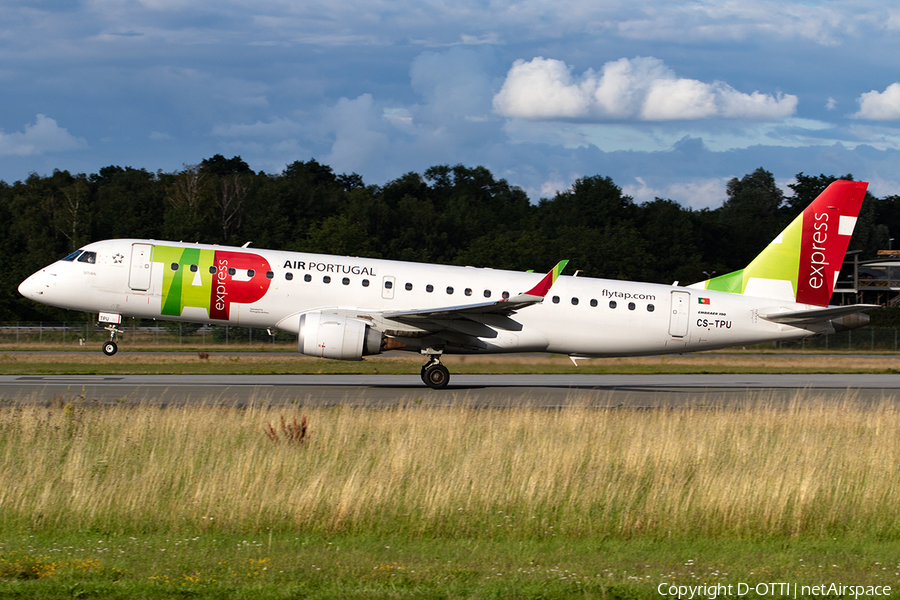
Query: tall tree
752, 215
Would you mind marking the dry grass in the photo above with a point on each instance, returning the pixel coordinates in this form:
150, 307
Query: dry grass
813, 469
711, 360
700, 359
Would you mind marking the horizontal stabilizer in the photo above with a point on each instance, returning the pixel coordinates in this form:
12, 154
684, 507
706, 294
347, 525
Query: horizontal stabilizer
817, 315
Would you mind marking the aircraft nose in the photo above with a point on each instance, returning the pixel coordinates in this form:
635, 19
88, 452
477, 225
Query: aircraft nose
32, 287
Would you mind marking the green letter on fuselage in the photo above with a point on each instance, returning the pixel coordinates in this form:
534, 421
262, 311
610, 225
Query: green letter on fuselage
182, 287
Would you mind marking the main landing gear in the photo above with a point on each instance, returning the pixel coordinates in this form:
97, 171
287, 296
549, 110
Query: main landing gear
110, 347
434, 374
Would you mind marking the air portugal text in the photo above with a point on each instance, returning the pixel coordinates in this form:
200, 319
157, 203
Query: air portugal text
336, 268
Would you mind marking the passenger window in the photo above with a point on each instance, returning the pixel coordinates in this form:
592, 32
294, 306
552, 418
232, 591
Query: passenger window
365, 282
388, 284
345, 281
429, 288
88, 257
650, 308
593, 302
408, 287
232, 271
193, 268
288, 276
574, 301
326, 279
505, 295
174, 266
631, 306
449, 290
212, 270
468, 291
487, 293
270, 275
555, 299
307, 278
251, 273
72, 256
612, 303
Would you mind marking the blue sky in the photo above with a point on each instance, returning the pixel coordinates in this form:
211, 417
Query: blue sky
669, 99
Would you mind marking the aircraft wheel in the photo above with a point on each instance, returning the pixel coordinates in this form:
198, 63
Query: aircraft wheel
436, 376
110, 348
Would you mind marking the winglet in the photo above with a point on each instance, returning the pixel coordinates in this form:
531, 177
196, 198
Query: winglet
541, 289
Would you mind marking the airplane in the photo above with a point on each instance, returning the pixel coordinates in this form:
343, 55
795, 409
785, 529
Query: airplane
346, 308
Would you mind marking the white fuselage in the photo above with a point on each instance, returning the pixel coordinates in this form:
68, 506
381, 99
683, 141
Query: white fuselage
580, 316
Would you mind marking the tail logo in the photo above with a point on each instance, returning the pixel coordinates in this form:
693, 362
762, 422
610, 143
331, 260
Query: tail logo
817, 260
803, 262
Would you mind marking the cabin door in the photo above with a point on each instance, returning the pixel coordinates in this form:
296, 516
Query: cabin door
141, 266
678, 318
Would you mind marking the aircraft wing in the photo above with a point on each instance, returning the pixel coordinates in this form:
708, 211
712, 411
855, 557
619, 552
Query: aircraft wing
816, 315
437, 318
499, 307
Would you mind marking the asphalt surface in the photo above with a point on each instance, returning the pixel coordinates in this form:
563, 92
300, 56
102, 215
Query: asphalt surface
549, 391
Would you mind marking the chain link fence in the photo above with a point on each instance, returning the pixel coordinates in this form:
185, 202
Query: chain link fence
866, 339
168, 334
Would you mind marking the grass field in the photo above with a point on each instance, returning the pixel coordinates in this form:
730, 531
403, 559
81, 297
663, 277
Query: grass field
419, 501
231, 362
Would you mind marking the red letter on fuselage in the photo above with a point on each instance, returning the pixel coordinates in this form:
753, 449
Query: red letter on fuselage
227, 288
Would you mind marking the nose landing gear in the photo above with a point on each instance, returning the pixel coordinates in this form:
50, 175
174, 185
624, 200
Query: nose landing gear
434, 374
110, 347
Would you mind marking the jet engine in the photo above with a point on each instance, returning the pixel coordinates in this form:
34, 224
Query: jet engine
334, 336
851, 321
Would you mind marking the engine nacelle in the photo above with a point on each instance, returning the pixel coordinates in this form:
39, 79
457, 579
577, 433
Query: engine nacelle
851, 321
334, 336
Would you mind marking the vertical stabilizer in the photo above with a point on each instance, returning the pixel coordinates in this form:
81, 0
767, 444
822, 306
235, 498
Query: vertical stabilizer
802, 264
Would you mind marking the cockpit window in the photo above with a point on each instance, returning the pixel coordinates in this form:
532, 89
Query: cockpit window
72, 256
88, 257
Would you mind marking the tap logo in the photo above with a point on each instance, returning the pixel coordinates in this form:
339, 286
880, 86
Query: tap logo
210, 279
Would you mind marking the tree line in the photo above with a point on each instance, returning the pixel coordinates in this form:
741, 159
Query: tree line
448, 214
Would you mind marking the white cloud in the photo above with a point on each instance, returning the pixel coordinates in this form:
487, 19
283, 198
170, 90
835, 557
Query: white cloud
277, 128
642, 88
454, 83
880, 106
358, 137
697, 194
739, 20
555, 185
44, 136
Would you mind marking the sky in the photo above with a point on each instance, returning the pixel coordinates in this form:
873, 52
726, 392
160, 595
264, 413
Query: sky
669, 99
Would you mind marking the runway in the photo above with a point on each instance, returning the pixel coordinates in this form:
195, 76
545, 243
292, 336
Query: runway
548, 391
